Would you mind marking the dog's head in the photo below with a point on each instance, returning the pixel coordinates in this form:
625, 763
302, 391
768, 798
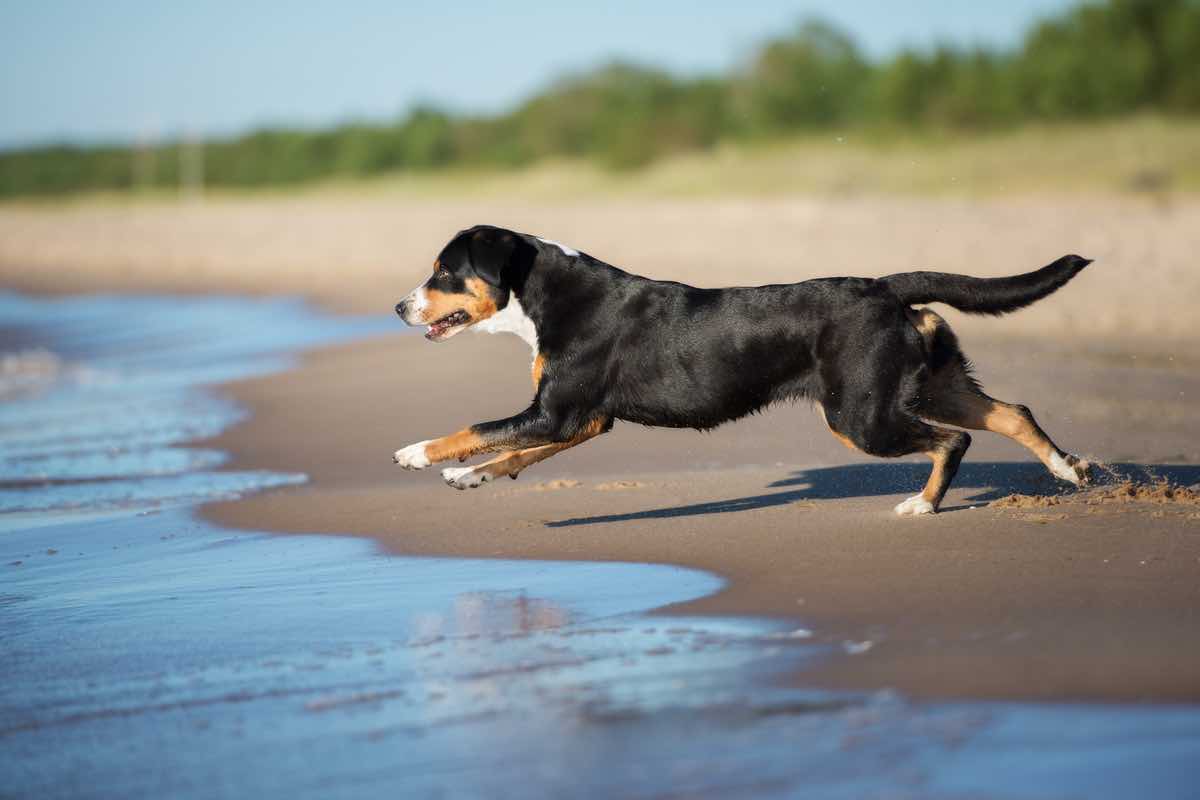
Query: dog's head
473, 278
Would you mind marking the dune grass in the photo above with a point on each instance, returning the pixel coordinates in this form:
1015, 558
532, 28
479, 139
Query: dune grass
1144, 155
1147, 155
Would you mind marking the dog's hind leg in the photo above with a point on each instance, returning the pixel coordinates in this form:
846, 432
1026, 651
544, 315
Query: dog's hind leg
905, 434
977, 411
868, 405
899, 433
946, 452
952, 396
512, 463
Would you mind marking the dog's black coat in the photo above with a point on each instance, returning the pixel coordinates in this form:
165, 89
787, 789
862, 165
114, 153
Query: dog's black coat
620, 346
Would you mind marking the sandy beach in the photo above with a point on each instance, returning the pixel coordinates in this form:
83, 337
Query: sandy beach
359, 250
1088, 596
1071, 601
201, 502
233, 563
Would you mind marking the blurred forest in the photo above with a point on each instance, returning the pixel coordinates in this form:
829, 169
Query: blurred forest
1097, 61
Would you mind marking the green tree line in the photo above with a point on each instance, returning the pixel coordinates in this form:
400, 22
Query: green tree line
1100, 59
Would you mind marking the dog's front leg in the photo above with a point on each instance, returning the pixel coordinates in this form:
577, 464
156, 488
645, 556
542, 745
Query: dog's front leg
531, 428
512, 463
463, 444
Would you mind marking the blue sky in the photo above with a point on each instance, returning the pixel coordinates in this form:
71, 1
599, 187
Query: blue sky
128, 69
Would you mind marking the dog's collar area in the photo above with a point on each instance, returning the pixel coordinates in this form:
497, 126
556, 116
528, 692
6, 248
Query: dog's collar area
569, 251
512, 319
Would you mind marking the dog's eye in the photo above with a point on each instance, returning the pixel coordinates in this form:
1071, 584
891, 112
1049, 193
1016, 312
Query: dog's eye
442, 273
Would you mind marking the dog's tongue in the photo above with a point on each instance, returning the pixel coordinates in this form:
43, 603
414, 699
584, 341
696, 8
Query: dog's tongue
439, 328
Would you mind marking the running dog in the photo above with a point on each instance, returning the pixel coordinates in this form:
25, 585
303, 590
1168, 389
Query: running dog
608, 345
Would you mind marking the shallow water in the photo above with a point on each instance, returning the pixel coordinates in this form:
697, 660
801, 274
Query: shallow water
147, 653
97, 394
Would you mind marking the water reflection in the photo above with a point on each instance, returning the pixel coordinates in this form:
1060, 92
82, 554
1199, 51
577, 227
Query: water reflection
184, 639
156, 655
490, 613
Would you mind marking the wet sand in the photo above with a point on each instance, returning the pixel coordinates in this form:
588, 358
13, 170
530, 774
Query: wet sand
1078, 601
311, 666
148, 653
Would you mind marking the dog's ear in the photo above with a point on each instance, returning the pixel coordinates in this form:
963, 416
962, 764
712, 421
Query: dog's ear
491, 251
500, 256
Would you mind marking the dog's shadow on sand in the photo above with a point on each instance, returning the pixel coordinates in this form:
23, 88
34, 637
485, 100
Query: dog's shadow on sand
991, 479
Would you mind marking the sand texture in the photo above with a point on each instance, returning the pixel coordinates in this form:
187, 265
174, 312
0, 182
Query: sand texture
1095, 595
1072, 597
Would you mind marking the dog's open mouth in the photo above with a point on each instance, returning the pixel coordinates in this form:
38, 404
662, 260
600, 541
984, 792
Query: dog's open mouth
439, 329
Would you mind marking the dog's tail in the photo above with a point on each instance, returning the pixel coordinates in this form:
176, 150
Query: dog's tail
984, 295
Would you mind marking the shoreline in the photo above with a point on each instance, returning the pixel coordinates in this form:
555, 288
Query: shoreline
208, 651
1078, 601
985, 608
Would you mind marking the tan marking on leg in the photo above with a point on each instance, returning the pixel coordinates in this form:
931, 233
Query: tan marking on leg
980, 412
460, 445
934, 487
930, 498
512, 463
539, 366
952, 397
1009, 421
949, 402
984, 413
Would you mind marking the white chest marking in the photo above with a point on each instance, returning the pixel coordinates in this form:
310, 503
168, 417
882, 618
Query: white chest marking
569, 251
511, 319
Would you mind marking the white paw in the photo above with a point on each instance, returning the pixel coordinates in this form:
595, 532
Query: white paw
464, 477
413, 456
915, 505
1071, 469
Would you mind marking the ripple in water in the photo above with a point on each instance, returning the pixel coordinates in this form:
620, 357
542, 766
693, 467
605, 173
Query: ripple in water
99, 393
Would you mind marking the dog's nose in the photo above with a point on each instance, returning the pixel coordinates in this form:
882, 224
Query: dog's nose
400, 308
